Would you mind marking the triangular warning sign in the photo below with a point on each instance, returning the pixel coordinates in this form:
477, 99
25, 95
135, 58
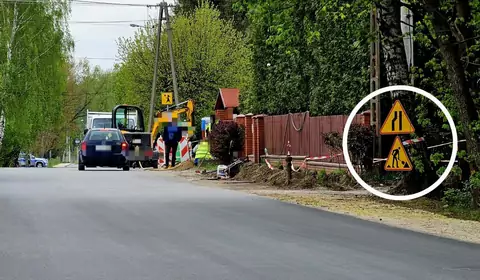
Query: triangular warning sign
397, 158
397, 121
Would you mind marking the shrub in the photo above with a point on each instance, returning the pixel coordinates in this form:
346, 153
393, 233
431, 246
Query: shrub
360, 144
461, 198
225, 138
466, 197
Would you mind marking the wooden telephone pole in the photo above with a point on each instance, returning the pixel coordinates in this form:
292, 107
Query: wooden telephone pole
375, 108
163, 8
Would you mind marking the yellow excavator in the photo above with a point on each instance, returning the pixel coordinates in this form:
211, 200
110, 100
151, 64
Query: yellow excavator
182, 113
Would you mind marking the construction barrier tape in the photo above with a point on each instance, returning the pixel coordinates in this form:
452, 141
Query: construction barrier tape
412, 141
304, 163
405, 143
323, 157
266, 161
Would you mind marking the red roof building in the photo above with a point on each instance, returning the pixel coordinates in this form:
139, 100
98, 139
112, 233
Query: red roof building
228, 101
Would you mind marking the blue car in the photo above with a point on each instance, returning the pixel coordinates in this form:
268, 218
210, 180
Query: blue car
103, 147
29, 160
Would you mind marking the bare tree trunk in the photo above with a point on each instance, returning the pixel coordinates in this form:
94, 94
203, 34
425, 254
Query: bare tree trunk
393, 49
397, 73
2, 126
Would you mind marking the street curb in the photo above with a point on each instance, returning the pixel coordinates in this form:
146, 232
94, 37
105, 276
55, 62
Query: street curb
61, 165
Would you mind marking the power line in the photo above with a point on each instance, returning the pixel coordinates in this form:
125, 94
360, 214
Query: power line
98, 58
112, 3
107, 21
81, 2
98, 22
84, 2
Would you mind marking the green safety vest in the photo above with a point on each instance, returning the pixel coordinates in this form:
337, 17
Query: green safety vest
203, 151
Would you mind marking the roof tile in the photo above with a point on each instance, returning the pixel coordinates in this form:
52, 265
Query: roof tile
230, 97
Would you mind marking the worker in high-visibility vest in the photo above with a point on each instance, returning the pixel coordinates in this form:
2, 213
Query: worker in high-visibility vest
207, 130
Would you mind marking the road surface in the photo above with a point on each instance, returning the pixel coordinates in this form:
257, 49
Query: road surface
64, 224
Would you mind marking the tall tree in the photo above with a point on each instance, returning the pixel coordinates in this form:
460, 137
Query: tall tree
35, 51
304, 59
229, 10
209, 53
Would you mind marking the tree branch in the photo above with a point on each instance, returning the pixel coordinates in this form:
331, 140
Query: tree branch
468, 39
408, 24
77, 114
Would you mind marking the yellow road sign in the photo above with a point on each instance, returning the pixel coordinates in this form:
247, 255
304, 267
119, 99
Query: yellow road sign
397, 121
397, 158
167, 98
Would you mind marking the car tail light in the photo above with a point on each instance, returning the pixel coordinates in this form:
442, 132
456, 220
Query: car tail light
124, 146
84, 146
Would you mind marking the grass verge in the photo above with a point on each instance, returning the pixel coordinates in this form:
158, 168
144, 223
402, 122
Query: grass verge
437, 207
208, 165
53, 162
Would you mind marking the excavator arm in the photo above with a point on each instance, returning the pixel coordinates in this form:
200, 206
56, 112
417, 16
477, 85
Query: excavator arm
183, 112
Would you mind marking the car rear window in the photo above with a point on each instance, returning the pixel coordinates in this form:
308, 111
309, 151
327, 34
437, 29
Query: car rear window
100, 135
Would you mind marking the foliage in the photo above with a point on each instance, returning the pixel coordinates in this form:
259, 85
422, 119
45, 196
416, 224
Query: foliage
87, 89
360, 143
209, 54
304, 59
225, 138
333, 140
35, 46
53, 162
226, 8
461, 198
338, 180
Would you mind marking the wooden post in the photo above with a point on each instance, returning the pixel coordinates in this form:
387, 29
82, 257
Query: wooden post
289, 168
375, 110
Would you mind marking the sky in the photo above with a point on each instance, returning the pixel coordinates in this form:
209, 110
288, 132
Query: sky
95, 34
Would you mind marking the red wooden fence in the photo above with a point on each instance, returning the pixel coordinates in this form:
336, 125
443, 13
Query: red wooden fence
303, 132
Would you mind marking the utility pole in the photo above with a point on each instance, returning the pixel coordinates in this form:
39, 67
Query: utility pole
172, 62
375, 108
407, 30
69, 150
155, 70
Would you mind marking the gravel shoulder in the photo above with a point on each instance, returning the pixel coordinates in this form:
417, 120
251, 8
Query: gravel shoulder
358, 203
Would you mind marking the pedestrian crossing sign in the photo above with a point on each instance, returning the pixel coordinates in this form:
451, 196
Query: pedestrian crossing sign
398, 159
167, 98
397, 121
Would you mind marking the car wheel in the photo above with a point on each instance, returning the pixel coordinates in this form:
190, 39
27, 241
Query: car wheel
39, 164
81, 167
126, 168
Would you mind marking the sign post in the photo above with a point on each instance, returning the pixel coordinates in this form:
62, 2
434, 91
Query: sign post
397, 122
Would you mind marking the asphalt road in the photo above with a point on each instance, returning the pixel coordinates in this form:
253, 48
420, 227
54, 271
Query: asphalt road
58, 224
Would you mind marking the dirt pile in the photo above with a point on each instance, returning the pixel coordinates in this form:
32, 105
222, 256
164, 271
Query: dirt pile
300, 180
183, 166
338, 180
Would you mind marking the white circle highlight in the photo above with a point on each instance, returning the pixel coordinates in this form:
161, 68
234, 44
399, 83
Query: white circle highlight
400, 197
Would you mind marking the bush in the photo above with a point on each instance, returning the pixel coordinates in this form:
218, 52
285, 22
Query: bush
461, 198
360, 144
466, 197
225, 138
